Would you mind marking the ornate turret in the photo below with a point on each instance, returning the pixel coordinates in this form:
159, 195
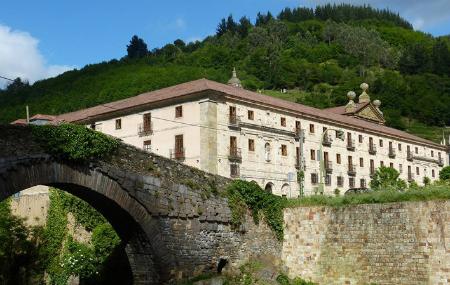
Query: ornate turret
364, 97
234, 81
351, 106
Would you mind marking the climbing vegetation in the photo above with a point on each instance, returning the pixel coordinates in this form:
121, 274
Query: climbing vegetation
74, 142
242, 194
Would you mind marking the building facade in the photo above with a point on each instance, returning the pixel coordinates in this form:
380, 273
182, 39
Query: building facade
227, 130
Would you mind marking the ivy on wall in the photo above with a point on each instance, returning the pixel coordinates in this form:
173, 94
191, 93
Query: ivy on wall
242, 194
74, 142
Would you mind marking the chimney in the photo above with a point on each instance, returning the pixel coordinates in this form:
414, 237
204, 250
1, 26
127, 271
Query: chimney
364, 97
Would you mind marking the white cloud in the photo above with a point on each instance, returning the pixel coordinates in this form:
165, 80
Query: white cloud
20, 57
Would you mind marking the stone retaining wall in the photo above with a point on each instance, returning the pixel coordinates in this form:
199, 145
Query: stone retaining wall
395, 243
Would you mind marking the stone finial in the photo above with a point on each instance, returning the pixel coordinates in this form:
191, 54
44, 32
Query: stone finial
234, 80
377, 103
364, 97
351, 106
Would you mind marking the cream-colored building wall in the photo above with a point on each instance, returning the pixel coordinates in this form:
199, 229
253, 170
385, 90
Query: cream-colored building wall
32, 205
254, 166
206, 132
165, 127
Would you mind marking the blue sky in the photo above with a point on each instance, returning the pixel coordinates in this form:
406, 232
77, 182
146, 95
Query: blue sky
47, 37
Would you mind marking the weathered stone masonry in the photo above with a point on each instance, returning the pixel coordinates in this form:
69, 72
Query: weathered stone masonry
175, 222
395, 243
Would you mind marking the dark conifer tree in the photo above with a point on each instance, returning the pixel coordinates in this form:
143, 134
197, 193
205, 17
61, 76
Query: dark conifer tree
137, 48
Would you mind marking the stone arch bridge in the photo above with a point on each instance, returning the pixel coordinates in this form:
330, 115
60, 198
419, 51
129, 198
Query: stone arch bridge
173, 218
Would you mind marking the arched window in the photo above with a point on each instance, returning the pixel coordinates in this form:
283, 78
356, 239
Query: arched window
269, 187
286, 190
267, 151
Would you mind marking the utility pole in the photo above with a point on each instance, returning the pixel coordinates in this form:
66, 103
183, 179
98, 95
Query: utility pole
28, 114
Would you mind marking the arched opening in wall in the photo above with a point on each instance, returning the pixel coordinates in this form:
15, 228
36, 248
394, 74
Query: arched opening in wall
127, 217
57, 227
269, 187
286, 190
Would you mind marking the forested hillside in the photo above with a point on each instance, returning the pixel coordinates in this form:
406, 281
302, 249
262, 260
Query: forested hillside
317, 54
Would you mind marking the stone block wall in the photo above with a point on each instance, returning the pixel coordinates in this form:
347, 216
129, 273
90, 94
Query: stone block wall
395, 243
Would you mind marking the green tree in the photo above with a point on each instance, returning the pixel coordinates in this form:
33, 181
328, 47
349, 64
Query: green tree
444, 174
137, 48
441, 58
415, 59
387, 178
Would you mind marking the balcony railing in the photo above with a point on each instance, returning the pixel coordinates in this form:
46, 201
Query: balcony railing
235, 171
178, 154
234, 121
409, 156
234, 154
327, 140
391, 152
145, 130
441, 161
410, 177
351, 171
351, 145
328, 166
372, 148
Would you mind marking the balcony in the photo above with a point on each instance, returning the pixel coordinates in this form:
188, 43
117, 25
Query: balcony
351, 145
441, 161
234, 121
235, 171
145, 130
372, 149
327, 140
391, 152
234, 154
351, 171
328, 167
409, 156
177, 154
410, 177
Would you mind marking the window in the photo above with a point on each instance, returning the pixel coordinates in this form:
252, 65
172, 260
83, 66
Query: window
93, 126
251, 145
338, 158
178, 111
432, 153
179, 147
324, 129
382, 163
391, 165
283, 122
399, 147
314, 178
400, 168
284, 150
250, 115
313, 154
147, 122
416, 150
361, 162
381, 143
351, 182
340, 181
372, 166
148, 145
432, 173
360, 138
417, 170
118, 124
267, 151
362, 183
328, 180
311, 128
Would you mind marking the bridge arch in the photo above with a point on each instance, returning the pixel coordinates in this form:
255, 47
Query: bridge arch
127, 215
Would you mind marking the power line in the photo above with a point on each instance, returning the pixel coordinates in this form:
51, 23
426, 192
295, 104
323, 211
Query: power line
6, 78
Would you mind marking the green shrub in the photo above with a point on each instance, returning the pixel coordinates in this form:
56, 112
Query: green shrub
387, 178
242, 193
444, 174
74, 142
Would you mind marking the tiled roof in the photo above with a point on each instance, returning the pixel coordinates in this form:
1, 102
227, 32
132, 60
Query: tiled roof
341, 109
238, 93
19, 122
43, 117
